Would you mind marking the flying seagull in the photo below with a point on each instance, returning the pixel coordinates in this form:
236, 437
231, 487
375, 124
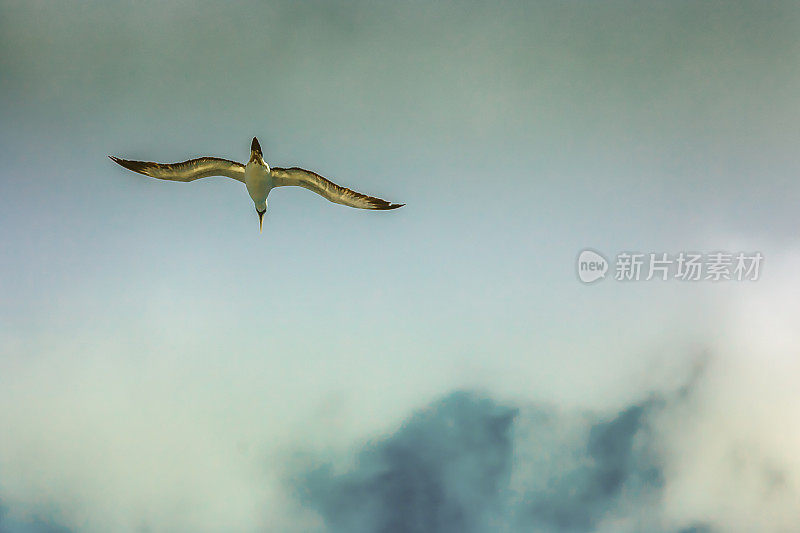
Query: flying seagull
258, 177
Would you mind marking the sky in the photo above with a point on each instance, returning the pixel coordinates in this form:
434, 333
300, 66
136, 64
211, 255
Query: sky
440, 367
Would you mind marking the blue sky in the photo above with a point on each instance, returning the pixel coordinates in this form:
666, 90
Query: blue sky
149, 332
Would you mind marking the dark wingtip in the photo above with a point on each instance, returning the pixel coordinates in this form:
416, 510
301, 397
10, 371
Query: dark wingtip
385, 206
136, 166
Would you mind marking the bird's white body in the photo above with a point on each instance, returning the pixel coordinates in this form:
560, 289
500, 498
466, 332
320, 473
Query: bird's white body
258, 180
258, 177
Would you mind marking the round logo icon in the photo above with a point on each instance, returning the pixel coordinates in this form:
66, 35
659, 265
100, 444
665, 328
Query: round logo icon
591, 266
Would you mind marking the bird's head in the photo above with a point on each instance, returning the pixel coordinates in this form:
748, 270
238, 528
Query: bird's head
255, 151
260, 210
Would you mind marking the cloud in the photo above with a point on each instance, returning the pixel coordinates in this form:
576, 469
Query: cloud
29, 525
613, 458
469, 463
444, 470
477, 462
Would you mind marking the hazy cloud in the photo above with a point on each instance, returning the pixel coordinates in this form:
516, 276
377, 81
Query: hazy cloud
444, 470
610, 459
31, 525
470, 463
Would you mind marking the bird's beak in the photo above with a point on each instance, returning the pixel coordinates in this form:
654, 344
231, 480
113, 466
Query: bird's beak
261, 220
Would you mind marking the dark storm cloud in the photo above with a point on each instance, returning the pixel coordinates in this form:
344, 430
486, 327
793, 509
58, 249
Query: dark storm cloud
698, 528
34, 525
579, 498
444, 470
460, 465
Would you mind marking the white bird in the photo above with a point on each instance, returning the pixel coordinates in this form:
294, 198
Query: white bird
258, 177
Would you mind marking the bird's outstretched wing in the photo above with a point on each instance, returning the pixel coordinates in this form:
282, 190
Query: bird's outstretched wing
191, 170
314, 182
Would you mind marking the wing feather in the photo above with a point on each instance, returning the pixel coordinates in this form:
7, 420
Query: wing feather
191, 170
298, 177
